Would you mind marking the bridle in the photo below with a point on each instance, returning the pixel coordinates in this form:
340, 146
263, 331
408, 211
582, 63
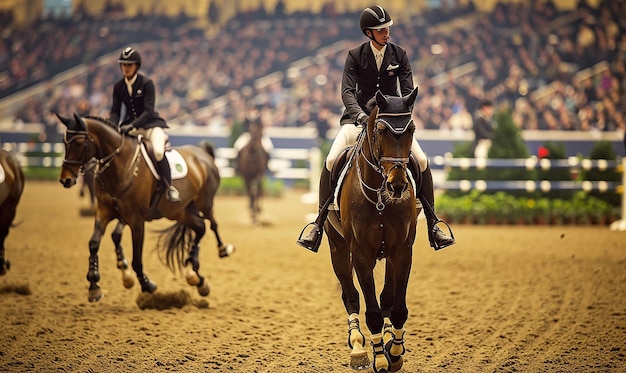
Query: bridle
375, 159
100, 165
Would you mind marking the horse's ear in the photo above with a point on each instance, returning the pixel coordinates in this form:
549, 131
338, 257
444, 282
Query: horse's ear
64, 120
80, 122
410, 99
381, 100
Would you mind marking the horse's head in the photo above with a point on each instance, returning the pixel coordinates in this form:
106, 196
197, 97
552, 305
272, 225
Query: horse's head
391, 129
79, 149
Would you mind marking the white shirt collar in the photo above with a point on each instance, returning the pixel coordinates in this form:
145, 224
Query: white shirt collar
129, 84
376, 51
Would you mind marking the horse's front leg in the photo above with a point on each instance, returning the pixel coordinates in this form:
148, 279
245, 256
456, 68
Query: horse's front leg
138, 230
5, 265
364, 268
397, 272
93, 274
122, 263
342, 266
222, 249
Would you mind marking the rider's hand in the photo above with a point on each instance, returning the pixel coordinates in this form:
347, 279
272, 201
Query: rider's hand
361, 120
126, 128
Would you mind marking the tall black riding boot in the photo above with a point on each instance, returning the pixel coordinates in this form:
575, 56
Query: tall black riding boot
166, 176
313, 239
437, 238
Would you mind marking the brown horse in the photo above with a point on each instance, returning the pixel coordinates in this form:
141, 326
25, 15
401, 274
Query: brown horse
11, 188
125, 190
252, 162
377, 220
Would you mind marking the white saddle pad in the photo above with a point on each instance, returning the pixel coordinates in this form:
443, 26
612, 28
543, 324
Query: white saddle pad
178, 166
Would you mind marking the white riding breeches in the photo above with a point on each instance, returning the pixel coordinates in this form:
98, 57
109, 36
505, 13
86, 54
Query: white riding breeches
347, 136
157, 137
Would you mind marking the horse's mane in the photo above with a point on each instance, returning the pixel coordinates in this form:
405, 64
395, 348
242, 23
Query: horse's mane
100, 119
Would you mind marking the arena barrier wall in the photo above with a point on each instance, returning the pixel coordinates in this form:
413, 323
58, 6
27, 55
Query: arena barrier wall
573, 163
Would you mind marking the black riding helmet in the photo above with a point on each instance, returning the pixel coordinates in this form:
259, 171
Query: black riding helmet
374, 17
130, 55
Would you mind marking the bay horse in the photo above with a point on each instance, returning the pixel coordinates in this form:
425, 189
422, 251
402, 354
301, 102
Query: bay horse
125, 190
252, 162
11, 189
377, 220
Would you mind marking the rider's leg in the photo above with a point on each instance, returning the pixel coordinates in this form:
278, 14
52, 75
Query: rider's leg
313, 239
437, 238
157, 138
345, 137
166, 178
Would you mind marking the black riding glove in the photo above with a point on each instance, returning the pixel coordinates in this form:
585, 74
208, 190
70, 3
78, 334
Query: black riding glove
361, 120
126, 128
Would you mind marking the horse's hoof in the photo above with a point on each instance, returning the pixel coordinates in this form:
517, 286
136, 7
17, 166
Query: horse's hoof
397, 364
203, 288
127, 279
95, 295
226, 250
360, 362
192, 277
149, 287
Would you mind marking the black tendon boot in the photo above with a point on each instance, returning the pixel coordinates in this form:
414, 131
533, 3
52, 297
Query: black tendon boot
166, 176
437, 238
313, 239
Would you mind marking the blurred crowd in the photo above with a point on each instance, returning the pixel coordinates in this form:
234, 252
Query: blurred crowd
556, 70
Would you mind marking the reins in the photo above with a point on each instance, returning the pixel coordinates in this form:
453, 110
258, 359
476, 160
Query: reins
101, 164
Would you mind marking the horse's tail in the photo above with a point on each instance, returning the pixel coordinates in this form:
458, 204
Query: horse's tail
172, 245
206, 145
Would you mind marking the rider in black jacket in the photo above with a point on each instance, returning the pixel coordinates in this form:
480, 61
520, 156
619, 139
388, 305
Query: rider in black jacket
376, 65
137, 93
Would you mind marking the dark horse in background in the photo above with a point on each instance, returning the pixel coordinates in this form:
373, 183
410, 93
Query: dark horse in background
377, 220
11, 189
125, 190
252, 162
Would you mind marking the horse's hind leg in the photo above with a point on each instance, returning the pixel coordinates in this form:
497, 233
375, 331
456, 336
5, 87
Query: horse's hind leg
122, 263
223, 250
192, 263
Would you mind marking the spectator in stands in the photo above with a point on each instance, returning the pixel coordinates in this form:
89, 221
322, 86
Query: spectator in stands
376, 65
484, 125
136, 92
